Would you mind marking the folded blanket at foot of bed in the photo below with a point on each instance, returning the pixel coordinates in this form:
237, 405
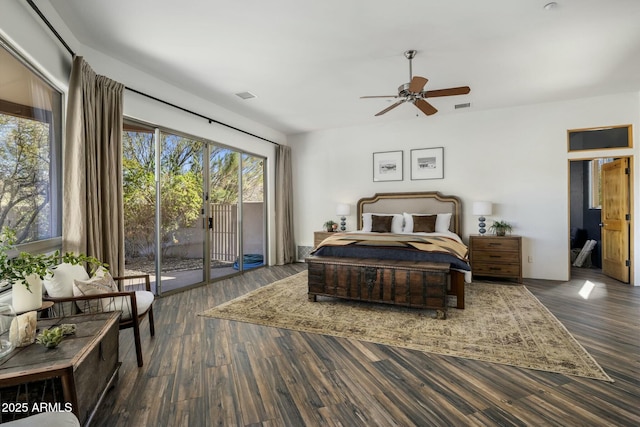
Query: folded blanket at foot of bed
390, 246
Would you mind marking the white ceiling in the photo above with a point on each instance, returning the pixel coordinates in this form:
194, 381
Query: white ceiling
309, 62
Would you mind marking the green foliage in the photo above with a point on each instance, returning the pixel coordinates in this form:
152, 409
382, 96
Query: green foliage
24, 176
181, 178
329, 225
16, 265
500, 227
92, 263
50, 338
24, 264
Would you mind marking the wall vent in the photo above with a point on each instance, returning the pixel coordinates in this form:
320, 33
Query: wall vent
465, 105
246, 95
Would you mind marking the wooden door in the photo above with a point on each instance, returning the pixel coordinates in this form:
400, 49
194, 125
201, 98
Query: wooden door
615, 219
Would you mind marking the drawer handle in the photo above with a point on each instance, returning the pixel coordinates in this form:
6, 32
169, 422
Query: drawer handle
494, 256
495, 268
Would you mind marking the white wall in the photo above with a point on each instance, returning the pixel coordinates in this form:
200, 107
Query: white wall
517, 158
25, 31
514, 157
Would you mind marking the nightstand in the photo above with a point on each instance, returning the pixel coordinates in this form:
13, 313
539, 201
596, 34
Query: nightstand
496, 256
319, 236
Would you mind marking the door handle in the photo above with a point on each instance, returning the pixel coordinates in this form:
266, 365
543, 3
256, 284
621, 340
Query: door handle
210, 223
602, 224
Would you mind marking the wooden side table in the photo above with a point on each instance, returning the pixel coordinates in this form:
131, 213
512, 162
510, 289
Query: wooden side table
496, 256
319, 236
86, 363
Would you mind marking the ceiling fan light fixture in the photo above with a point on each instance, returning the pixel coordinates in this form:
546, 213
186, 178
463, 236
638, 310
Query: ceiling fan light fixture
550, 6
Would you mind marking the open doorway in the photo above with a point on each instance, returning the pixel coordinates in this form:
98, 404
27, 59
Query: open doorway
600, 217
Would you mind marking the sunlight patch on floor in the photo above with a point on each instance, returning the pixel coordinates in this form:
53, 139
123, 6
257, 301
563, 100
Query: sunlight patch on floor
586, 289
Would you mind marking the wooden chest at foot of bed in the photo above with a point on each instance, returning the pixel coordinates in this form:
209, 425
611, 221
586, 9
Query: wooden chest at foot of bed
406, 283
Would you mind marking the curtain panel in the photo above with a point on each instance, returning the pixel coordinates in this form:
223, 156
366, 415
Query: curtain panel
93, 218
285, 242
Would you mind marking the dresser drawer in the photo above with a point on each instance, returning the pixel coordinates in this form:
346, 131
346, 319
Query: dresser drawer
495, 244
497, 256
488, 269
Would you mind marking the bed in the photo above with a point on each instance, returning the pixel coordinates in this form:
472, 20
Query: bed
386, 261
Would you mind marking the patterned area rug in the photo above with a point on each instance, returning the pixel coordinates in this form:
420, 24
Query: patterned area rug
500, 324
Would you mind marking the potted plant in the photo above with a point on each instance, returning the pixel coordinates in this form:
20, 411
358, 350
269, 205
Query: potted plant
26, 271
330, 225
500, 227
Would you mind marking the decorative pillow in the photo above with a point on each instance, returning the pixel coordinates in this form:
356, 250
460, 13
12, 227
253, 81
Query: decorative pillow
443, 221
60, 285
381, 224
424, 223
396, 222
95, 286
104, 285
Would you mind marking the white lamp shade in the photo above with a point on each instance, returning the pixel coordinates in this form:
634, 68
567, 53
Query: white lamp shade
343, 209
482, 208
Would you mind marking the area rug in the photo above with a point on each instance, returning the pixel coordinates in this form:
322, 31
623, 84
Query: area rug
501, 323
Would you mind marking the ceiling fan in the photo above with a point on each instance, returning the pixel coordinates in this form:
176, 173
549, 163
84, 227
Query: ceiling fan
414, 92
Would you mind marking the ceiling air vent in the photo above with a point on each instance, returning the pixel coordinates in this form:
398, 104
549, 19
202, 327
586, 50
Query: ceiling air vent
246, 95
465, 105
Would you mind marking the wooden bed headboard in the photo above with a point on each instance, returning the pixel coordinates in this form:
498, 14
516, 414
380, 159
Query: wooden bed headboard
428, 202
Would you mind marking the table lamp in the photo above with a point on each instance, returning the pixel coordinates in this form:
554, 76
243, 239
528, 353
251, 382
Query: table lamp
482, 209
342, 210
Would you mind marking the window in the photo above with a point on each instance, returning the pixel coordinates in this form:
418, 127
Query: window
600, 138
595, 183
30, 141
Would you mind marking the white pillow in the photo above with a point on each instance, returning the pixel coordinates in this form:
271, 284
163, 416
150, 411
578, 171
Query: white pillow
104, 285
443, 221
396, 222
60, 285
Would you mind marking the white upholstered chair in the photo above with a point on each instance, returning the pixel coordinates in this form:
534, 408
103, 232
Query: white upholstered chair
73, 292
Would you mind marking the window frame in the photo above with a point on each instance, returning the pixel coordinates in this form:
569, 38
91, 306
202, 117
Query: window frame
56, 137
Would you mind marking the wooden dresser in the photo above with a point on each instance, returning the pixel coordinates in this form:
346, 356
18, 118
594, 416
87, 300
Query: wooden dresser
496, 256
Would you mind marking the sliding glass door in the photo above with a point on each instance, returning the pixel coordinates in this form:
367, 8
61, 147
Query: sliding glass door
253, 212
181, 234
184, 223
224, 215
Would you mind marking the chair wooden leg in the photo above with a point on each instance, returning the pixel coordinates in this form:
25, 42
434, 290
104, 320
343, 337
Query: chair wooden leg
136, 338
152, 327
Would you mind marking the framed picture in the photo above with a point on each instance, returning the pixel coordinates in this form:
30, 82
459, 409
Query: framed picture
387, 166
427, 163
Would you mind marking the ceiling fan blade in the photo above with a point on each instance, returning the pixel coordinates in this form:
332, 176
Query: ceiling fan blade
462, 90
417, 83
391, 107
425, 107
380, 96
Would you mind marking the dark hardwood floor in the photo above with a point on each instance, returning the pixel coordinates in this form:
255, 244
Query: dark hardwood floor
206, 372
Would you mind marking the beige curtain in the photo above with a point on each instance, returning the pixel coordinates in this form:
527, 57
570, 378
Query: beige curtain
285, 243
93, 209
